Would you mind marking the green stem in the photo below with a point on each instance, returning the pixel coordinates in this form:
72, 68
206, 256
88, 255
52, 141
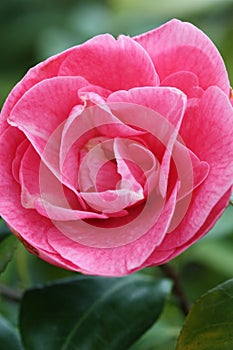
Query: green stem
178, 290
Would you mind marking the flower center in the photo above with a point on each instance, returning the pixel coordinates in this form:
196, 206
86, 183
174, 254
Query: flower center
113, 174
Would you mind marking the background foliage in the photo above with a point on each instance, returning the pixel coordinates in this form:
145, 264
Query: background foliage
32, 30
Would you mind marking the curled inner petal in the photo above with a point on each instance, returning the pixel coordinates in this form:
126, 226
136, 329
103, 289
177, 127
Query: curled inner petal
124, 188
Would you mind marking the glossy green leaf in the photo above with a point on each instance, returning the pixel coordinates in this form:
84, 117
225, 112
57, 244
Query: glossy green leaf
7, 249
209, 325
9, 338
91, 312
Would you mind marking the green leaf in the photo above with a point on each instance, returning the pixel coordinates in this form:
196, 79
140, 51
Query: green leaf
209, 325
91, 312
9, 338
7, 249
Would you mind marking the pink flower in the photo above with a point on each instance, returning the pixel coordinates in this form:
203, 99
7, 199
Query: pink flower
118, 154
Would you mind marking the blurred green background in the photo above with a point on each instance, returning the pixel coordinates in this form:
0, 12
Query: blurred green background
32, 30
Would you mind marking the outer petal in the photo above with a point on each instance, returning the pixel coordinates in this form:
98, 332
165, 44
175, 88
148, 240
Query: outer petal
208, 131
116, 261
25, 221
179, 46
30, 227
162, 256
112, 64
90, 56
48, 103
215, 214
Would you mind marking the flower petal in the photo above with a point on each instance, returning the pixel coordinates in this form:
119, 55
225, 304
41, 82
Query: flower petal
55, 212
161, 256
42, 191
179, 46
127, 166
21, 149
81, 127
116, 261
161, 118
185, 81
170, 103
112, 201
191, 170
112, 64
48, 103
28, 222
213, 143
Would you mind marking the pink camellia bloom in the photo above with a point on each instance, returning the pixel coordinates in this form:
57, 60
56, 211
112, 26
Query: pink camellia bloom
117, 154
